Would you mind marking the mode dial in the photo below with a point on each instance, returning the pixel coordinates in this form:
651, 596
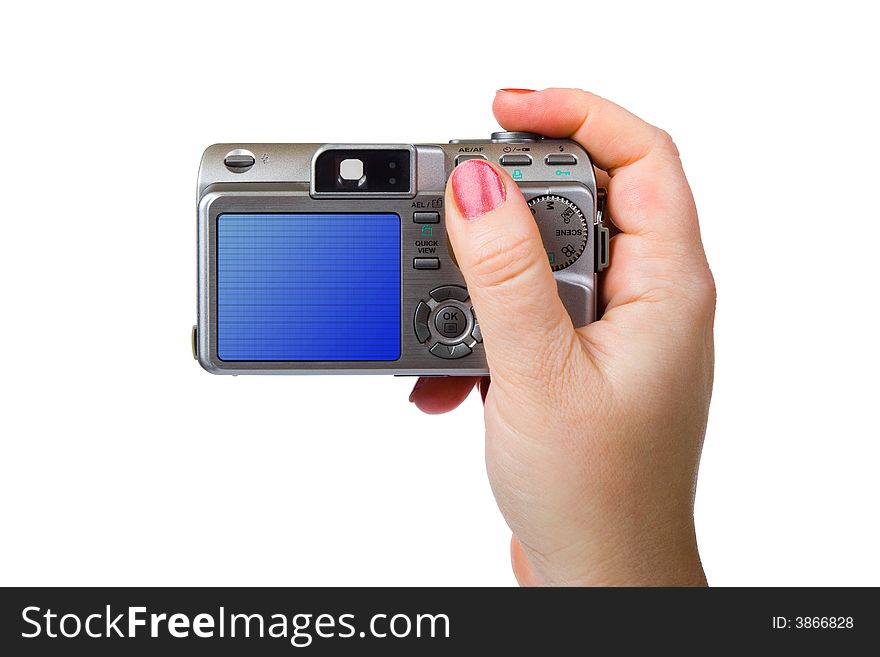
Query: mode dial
563, 227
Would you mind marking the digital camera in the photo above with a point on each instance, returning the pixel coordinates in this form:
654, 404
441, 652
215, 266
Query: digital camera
334, 259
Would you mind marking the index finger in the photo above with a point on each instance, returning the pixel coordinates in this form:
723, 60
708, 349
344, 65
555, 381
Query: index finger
648, 193
614, 137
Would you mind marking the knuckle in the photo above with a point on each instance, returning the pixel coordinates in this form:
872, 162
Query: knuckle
665, 141
502, 259
707, 290
588, 97
700, 292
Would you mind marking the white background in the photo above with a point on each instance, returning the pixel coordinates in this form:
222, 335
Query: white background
124, 463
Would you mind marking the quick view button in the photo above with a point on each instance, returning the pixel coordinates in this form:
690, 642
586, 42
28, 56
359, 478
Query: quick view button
426, 263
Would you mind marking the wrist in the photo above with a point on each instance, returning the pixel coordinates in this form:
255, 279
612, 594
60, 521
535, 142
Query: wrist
656, 558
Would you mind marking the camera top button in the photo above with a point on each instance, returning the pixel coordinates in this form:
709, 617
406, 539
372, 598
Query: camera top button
516, 160
561, 159
468, 156
516, 136
449, 292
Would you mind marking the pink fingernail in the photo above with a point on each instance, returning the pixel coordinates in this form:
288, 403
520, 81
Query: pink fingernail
477, 188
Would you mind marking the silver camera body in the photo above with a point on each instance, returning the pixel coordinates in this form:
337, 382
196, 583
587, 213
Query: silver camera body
333, 258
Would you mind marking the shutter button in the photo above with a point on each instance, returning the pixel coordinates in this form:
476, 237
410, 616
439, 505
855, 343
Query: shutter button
515, 136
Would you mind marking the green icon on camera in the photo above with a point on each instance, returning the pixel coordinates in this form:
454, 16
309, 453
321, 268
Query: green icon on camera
517, 174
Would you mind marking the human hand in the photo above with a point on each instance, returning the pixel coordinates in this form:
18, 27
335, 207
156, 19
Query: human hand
593, 435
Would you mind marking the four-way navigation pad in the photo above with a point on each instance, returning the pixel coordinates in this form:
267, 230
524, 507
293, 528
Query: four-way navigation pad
446, 324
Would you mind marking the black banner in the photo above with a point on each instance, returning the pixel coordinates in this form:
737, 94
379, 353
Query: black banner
386, 621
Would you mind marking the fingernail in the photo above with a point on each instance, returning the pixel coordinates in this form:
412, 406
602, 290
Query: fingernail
415, 389
477, 188
518, 91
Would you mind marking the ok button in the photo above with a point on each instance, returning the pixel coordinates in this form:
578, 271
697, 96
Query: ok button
450, 321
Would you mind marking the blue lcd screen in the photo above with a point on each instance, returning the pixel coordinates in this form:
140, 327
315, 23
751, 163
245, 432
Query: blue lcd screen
308, 287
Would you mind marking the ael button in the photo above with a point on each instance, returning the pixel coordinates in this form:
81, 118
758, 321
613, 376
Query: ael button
426, 217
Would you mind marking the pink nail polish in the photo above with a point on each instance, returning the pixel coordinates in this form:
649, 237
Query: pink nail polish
477, 188
518, 91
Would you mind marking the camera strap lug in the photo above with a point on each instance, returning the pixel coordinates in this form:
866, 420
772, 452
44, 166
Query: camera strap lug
603, 235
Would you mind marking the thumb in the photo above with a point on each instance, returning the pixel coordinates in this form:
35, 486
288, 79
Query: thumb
526, 330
